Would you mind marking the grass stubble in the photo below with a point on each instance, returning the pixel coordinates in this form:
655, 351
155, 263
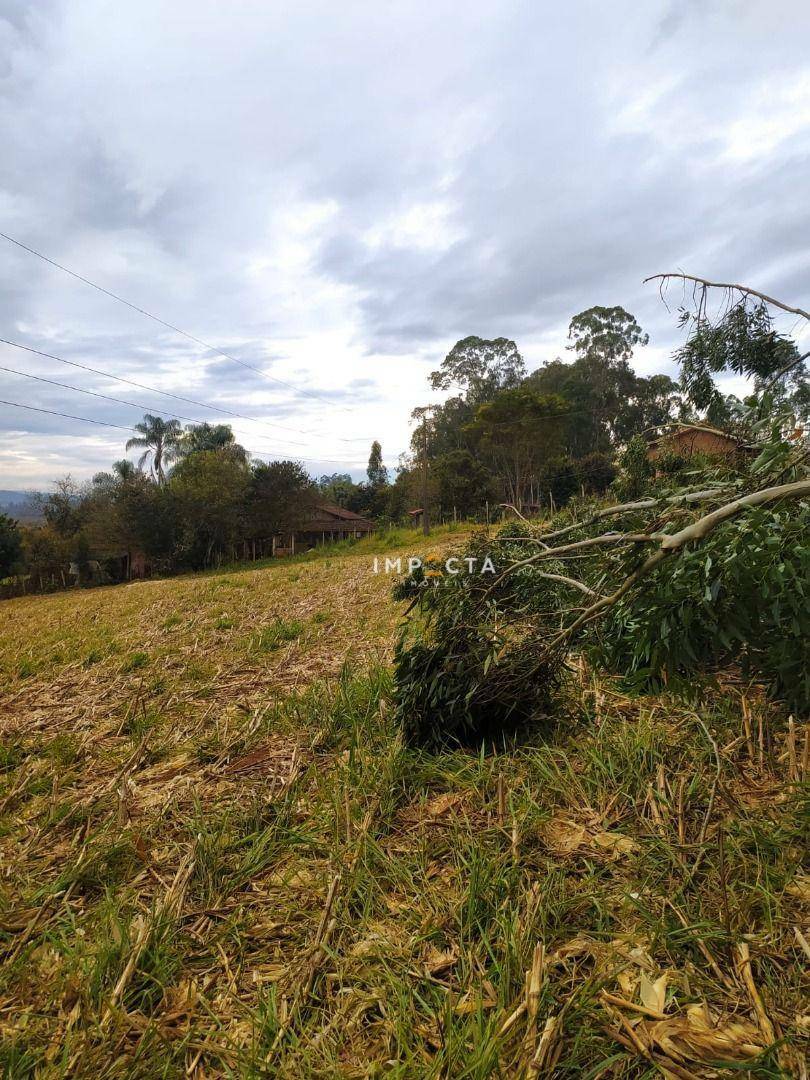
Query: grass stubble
218, 859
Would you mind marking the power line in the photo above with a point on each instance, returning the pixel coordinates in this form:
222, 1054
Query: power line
142, 386
122, 427
108, 397
168, 325
68, 416
176, 397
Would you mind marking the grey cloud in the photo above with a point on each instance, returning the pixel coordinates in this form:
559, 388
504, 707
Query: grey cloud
276, 178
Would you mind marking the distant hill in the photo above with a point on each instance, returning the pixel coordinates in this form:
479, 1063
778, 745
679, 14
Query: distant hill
18, 504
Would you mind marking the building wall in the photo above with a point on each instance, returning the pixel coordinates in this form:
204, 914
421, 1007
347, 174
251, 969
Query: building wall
692, 441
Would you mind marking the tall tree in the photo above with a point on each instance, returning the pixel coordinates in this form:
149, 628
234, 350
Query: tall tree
337, 488
520, 429
607, 333
377, 472
200, 437
211, 489
159, 440
480, 368
465, 484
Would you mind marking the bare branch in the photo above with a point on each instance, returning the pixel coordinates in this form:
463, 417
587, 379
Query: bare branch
569, 581
744, 290
784, 370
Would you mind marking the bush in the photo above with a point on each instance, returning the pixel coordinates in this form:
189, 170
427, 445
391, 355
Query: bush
635, 472
596, 472
560, 477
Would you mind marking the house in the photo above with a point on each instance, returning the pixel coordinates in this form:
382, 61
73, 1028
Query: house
325, 524
685, 440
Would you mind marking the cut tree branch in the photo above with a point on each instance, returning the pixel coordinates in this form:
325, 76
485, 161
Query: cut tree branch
744, 290
694, 533
641, 504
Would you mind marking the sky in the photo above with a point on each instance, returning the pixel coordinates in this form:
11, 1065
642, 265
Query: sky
334, 194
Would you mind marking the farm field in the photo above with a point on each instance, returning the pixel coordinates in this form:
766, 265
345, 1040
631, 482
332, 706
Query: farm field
218, 859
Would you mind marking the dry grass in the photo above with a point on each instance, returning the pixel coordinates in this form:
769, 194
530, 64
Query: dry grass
218, 859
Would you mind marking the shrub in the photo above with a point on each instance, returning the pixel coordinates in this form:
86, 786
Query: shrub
596, 472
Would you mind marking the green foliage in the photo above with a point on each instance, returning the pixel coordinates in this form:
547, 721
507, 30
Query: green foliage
636, 470
377, 472
462, 676
278, 633
596, 472
743, 341
62, 508
609, 333
521, 429
159, 439
558, 477
200, 437
481, 368
45, 554
10, 546
210, 488
280, 498
337, 488
741, 596
464, 482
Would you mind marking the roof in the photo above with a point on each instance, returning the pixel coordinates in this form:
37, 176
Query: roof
677, 429
330, 510
325, 517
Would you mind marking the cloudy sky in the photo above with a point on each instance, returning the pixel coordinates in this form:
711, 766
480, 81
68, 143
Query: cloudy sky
335, 193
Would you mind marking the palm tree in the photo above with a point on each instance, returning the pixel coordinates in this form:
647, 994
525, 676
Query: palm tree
159, 439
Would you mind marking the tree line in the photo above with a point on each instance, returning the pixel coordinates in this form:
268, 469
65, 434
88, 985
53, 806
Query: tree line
503, 436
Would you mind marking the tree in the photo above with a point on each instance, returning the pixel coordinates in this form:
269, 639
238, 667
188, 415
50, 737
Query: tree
124, 470
10, 545
337, 488
62, 508
200, 437
211, 490
464, 483
603, 339
596, 472
558, 478
280, 499
608, 334
519, 429
480, 368
145, 518
377, 472
46, 555
651, 403
159, 440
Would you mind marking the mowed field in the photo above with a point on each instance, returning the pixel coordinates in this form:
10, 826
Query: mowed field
218, 859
